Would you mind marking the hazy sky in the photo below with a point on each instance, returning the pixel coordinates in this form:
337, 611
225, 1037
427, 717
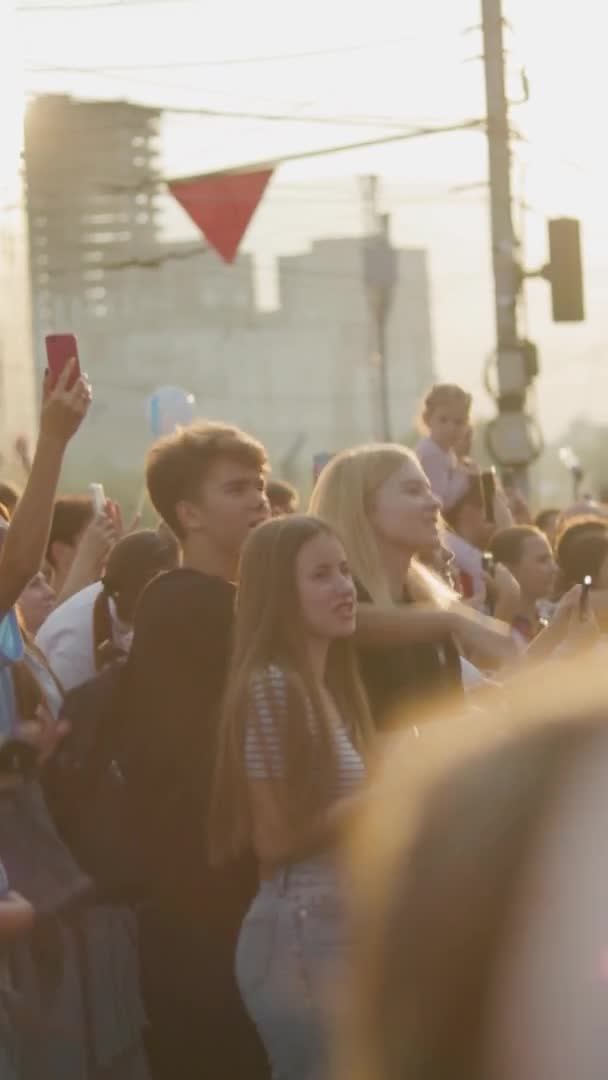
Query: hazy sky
406, 63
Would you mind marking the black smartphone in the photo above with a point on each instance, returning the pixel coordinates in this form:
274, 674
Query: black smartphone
17, 758
584, 605
488, 488
487, 563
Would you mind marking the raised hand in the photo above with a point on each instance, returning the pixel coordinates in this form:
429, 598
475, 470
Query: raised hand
63, 409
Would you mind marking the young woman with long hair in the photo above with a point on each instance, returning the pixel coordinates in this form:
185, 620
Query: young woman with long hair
380, 503
291, 766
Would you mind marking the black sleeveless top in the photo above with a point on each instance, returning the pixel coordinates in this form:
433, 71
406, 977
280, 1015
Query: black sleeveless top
402, 681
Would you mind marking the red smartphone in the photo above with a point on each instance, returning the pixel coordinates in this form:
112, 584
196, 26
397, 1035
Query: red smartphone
60, 348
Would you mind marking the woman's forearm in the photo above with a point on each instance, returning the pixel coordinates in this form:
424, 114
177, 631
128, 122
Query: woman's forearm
27, 537
401, 625
410, 623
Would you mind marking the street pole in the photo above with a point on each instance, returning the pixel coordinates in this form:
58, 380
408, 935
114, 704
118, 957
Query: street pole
380, 271
499, 155
511, 429
383, 301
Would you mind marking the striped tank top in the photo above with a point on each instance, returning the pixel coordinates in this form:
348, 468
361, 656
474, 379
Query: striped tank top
268, 707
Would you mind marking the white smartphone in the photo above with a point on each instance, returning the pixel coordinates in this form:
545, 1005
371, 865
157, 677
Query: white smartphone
98, 496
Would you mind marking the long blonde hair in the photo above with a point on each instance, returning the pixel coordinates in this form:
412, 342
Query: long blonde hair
270, 630
343, 497
440, 859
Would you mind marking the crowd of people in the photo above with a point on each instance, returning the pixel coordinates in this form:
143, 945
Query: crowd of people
194, 718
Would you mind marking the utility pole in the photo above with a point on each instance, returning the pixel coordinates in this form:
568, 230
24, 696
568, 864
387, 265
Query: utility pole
380, 272
510, 435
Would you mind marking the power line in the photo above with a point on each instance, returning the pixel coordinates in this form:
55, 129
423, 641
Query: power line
281, 264
150, 263
269, 162
388, 123
230, 114
237, 60
108, 72
29, 8
377, 123
284, 200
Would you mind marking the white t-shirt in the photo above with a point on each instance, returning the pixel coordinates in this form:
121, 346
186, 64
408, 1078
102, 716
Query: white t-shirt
66, 638
472, 677
468, 559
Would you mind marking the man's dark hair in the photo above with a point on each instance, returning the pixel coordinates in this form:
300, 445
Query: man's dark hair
177, 465
281, 495
72, 514
507, 545
543, 519
576, 529
9, 497
583, 557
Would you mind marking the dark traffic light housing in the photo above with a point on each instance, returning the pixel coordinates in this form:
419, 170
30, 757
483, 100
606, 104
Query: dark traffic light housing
565, 270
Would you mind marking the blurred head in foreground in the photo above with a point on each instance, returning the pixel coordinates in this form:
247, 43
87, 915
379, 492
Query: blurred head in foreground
481, 885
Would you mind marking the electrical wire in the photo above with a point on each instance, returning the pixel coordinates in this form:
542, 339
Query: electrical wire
238, 61
121, 74
299, 118
283, 200
151, 262
281, 265
464, 125
29, 8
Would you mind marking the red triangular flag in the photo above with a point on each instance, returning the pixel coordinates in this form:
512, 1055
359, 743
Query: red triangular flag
222, 205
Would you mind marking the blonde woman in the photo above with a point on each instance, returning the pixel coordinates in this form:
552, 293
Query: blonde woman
291, 765
380, 502
480, 892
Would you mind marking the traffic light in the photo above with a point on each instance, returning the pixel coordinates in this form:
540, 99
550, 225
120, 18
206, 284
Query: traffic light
565, 270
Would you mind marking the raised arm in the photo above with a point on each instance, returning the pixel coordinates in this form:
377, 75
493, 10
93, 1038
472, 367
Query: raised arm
63, 411
408, 623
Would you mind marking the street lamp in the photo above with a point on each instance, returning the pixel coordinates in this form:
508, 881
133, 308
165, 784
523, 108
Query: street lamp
380, 275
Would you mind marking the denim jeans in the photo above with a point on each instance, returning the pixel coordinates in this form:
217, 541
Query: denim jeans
291, 951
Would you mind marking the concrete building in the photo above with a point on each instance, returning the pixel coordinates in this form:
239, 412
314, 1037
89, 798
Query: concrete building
300, 377
91, 174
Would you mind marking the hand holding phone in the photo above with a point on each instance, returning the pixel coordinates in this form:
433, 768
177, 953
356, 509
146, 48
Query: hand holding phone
98, 496
65, 404
60, 349
487, 564
584, 603
488, 567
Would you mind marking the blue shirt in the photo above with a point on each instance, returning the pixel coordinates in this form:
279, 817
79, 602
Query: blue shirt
11, 650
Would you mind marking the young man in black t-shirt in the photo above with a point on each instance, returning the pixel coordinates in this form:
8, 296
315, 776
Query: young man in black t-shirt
207, 483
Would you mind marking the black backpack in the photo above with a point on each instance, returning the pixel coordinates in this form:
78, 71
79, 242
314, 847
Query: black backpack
86, 789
